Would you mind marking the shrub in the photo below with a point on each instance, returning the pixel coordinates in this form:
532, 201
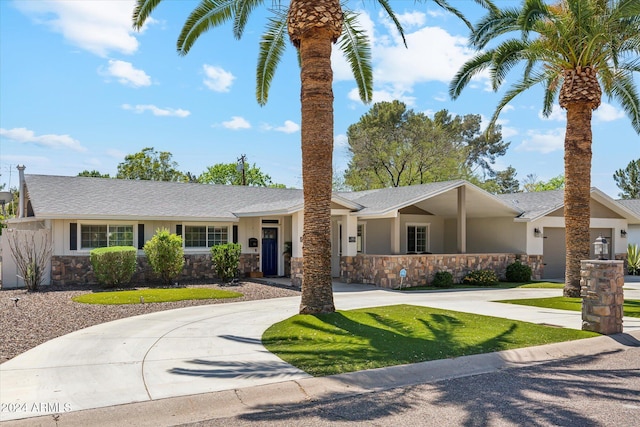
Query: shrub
113, 266
633, 259
518, 272
226, 259
481, 278
165, 254
442, 279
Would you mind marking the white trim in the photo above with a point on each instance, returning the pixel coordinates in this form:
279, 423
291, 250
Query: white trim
427, 225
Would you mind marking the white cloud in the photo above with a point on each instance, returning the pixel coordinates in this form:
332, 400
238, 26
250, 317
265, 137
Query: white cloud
507, 131
608, 113
98, 26
156, 110
288, 127
217, 79
385, 96
412, 19
557, 114
236, 123
127, 74
341, 141
543, 142
116, 154
23, 136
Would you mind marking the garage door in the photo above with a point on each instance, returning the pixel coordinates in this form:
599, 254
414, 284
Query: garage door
554, 250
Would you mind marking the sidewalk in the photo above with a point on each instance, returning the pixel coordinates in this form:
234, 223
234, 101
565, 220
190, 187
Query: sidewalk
214, 354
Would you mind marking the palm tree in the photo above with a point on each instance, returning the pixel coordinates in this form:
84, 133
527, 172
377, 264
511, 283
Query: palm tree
576, 49
313, 26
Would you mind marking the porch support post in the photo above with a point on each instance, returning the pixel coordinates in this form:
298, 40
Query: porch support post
349, 229
297, 219
395, 234
462, 220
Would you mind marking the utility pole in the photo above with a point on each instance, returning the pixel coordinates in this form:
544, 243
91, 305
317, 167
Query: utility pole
240, 168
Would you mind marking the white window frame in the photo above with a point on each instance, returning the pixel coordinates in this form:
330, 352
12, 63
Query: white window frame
207, 226
107, 224
427, 242
363, 239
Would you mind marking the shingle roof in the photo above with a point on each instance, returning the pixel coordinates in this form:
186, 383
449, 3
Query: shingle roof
536, 203
631, 204
386, 199
63, 196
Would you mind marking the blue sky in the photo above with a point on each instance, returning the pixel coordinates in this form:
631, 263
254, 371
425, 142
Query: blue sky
79, 89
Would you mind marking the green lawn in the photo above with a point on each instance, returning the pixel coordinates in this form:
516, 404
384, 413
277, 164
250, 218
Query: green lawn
631, 307
154, 295
500, 285
347, 341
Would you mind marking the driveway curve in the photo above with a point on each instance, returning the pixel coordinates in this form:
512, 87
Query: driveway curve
206, 348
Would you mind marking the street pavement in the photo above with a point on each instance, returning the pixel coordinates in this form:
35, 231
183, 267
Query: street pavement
207, 362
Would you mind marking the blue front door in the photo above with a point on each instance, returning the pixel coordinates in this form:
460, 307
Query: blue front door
270, 251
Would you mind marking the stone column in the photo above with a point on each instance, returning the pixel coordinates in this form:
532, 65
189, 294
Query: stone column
601, 285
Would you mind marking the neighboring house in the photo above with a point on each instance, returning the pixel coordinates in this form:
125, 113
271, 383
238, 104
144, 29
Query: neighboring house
453, 226
633, 231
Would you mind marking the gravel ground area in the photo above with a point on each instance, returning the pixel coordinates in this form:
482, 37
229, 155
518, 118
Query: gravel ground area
41, 316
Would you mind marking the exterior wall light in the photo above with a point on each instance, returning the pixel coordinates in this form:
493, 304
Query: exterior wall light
623, 234
601, 247
537, 232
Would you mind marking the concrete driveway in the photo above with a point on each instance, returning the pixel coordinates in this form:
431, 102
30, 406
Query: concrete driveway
208, 348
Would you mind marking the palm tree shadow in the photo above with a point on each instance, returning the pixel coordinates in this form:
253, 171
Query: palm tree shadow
534, 395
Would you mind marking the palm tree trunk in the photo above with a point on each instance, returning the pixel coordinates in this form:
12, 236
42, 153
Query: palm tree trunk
577, 193
317, 170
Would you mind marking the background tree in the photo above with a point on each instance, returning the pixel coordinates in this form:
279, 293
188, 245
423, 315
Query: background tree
531, 183
228, 174
312, 26
502, 182
93, 174
150, 165
628, 180
393, 146
575, 49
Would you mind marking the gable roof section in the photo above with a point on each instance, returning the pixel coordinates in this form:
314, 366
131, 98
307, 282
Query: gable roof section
437, 198
537, 204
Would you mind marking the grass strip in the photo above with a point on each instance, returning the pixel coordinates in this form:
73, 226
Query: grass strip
154, 295
347, 341
500, 285
630, 308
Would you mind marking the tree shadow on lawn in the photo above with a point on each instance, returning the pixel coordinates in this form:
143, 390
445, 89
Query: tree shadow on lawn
574, 391
385, 341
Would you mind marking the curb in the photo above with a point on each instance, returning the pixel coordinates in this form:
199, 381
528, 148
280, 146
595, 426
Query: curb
229, 403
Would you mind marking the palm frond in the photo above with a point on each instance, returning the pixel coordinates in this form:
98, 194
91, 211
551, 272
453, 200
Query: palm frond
515, 90
387, 7
208, 14
471, 68
272, 47
243, 10
142, 10
624, 90
493, 25
356, 47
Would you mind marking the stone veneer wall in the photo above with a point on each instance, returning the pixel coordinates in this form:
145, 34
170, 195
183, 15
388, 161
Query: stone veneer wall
601, 284
296, 272
383, 270
77, 270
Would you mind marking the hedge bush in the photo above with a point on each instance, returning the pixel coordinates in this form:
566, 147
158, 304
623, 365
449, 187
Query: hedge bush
226, 259
113, 266
165, 255
518, 272
442, 279
481, 278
